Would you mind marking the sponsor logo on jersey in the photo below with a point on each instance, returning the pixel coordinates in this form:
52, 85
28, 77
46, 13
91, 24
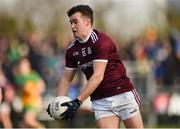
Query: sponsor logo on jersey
85, 65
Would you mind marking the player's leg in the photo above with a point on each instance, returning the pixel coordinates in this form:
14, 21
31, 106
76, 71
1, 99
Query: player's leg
105, 117
30, 120
108, 122
131, 115
134, 122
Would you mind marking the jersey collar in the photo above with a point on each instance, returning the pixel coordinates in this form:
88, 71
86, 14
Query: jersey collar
85, 40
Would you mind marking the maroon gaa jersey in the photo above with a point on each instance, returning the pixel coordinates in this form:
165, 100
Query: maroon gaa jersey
99, 47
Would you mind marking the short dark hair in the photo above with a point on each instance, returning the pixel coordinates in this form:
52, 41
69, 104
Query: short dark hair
85, 10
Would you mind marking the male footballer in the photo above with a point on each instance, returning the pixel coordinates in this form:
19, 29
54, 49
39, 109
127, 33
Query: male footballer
114, 98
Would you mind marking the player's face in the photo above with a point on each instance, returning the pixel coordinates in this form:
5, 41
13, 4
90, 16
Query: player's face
80, 25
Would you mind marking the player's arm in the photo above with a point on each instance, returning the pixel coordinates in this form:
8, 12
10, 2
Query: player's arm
94, 81
92, 84
65, 81
64, 84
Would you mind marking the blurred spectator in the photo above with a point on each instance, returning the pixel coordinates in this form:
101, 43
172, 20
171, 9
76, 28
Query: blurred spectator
151, 42
35, 55
8, 93
175, 55
162, 63
12, 50
141, 56
31, 87
51, 67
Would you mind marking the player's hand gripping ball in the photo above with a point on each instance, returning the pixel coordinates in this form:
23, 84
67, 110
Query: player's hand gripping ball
72, 108
55, 109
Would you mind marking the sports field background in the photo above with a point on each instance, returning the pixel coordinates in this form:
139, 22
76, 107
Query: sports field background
147, 33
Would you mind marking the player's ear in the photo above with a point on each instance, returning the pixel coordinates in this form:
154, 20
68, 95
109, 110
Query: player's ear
88, 22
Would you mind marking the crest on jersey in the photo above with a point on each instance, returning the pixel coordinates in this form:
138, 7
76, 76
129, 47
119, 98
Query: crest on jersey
75, 53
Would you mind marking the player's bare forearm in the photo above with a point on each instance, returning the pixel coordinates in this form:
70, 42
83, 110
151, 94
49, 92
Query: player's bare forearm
65, 81
91, 85
94, 81
63, 87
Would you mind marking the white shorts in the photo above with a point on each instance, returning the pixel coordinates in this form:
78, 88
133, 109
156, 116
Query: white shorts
124, 106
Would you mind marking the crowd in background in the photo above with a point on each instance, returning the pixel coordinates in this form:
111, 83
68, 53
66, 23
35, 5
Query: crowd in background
153, 53
30, 67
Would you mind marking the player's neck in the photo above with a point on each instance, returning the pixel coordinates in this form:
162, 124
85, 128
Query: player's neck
86, 37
